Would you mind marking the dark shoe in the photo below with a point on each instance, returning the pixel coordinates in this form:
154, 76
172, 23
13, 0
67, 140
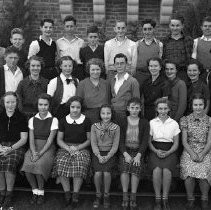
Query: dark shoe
133, 205
166, 204
33, 199
40, 199
157, 205
106, 202
124, 205
204, 205
67, 198
1, 200
8, 202
190, 205
125, 201
75, 202
96, 203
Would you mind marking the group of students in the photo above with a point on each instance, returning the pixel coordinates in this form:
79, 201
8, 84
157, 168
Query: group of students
80, 108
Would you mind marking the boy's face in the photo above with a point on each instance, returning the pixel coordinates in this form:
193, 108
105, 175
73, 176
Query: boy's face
93, 38
206, 28
47, 29
176, 27
120, 29
17, 40
11, 59
70, 27
148, 31
120, 65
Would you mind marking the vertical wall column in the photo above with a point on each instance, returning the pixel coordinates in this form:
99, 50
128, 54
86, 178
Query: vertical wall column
66, 8
166, 9
98, 10
132, 10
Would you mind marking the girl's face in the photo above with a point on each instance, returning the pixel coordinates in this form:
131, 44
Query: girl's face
10, 103
163, 109
94, 71
67, 67
193, 72
171, 71
35, 67
198, 106
154, 68
75, 109
105, 114
134, 109
43, 106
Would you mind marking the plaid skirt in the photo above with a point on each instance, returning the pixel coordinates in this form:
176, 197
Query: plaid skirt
129, 168
71, 165
12, 161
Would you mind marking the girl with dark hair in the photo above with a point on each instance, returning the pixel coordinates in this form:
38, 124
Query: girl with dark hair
133, 144
104, 141
196, 158
39, 158
13, 136
163, 143
73, 158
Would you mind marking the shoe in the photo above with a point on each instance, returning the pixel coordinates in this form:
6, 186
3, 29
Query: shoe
204, 205
106, 202
40, 199
1, 200
166, 204
190, 205
33, 199
157, 205
67, 198
133, 205
8, 202
96, 203
75, 202
125, 201
124, 205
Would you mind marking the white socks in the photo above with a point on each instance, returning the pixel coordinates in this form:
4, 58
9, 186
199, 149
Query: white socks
38, 192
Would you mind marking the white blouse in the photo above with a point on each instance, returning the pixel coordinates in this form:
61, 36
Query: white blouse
163, 132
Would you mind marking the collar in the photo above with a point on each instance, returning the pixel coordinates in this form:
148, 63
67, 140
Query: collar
169, 119
125, 77
65, 39
119, 41
6, 68
63, 78
80, 120
149, 43
31, 81
47, 116
205, 38
40, 38
93, 48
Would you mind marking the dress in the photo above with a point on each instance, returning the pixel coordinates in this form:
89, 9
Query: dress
41, 129
74, 164
197, 129
10, 129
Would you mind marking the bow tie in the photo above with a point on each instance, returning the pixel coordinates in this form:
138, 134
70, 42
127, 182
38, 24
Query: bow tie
68, 81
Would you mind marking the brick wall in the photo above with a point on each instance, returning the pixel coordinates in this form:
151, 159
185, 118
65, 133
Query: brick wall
83, 12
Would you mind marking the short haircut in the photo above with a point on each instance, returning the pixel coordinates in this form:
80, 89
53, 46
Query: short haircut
48, 20
170, 62
35, 58
148, 21
45, 96
120, 21
155, 59
65, 58
75, 98
163, 100
198, 96
197, 63
178, 17
207, 19
92, 29
16, 31
11, 49
120, 55
95, 61
69, 18
134, 100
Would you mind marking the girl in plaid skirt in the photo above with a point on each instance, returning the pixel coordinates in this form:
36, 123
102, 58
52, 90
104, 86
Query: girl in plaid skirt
133, 143
73, 158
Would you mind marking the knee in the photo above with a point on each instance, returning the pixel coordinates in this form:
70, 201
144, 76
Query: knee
98, 174
106, 174
157, 171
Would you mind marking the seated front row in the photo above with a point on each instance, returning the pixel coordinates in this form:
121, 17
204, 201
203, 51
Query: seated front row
73, 159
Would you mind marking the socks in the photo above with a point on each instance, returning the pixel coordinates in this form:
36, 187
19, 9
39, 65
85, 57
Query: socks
38, 192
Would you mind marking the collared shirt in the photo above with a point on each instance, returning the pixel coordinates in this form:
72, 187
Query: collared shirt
127, 47
149, 42
70, 48
34, 47
12, 80
195, 45
164, 131
78, 121
119, 82
69, 89
54, 124
93, 96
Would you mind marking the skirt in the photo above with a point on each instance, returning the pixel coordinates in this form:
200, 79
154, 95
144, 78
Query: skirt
105, 167
189, 168
42, 166
71, 165
12, 161
129, 168
169, 162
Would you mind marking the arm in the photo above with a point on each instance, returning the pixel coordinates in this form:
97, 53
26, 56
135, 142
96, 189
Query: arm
34, 48
60, 141
86, 143
134, 60
19, 92
94, 144
31, 141
151, 147
160, 49
174, 146
135, 88
195, 45
106, 56
80, 90
52, 87
206, 110
22, 141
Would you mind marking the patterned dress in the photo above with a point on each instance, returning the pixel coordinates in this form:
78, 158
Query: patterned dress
197, 129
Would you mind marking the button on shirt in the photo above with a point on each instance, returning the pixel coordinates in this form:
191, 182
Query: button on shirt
164, 131
119, 82
69, 89
12, 80
70, 48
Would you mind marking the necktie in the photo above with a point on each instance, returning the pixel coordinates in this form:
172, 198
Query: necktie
68, 81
